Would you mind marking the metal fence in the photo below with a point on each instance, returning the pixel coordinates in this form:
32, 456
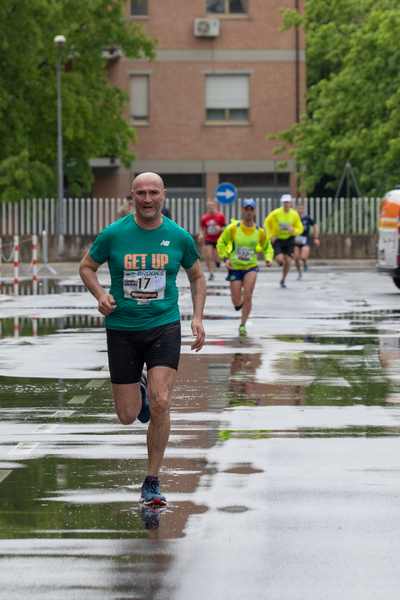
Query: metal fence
87, 216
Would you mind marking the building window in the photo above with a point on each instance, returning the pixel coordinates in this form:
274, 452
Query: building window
227, 98
139, 8
139, 98
257, 180
227, 7
183, 180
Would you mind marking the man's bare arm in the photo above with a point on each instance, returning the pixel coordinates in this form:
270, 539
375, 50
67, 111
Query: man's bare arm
198, 290
88, 272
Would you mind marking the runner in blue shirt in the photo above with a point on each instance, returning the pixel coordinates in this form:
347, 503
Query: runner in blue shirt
302, 242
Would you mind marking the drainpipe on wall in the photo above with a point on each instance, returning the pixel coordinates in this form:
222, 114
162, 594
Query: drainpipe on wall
297, 65
296, 79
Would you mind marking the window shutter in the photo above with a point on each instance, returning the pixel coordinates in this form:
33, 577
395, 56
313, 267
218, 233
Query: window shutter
139, 96
227, 91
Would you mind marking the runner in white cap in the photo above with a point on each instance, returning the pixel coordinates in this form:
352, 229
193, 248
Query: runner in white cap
282, 225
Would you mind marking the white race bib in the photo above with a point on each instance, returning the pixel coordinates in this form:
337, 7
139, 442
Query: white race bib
301, 240
244, 253
144, 286
212, 228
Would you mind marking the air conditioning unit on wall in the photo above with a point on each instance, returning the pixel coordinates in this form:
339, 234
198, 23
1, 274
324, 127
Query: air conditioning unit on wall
206, 27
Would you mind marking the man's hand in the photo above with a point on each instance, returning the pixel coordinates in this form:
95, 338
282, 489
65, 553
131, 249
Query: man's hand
106, 304
228, 264
290, 229
268, 263
199, 334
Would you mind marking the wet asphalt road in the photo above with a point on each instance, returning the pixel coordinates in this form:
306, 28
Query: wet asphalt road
282, 472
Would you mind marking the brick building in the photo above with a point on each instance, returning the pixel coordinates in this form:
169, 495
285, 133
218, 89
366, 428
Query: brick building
225, 76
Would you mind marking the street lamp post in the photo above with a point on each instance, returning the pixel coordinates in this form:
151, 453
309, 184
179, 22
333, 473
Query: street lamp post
59, 41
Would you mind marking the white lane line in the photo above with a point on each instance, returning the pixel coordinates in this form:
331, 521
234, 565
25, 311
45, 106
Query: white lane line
24, 448
79, 399
4, 474
62, 414
95, 383
27, 448
49, 428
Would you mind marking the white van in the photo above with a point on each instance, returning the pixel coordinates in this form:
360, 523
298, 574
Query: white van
388, 240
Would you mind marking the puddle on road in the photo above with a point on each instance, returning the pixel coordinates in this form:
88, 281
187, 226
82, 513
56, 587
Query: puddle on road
304, 432
68, 469
71, 471
45, 286
33, 326
319, 376
70, 475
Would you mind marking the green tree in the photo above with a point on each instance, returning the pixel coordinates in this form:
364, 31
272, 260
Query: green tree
93, 122
353, 97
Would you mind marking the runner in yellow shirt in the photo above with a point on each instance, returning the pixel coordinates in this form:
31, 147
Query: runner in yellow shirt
281, 226
238, 246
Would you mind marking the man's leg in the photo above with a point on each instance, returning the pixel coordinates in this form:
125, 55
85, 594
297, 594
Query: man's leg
127, 401
249, 283
161, 383
216, 258
286, 266
162, 359
126, 364
297, 259
280, 259
236, 294
209, 258
305, 253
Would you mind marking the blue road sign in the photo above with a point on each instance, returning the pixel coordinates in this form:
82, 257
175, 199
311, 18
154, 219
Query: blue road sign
226, 193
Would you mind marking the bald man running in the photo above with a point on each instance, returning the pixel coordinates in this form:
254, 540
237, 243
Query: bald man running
144, 252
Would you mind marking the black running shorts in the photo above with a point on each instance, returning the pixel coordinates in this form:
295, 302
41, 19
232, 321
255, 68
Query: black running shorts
129, 350
283, 246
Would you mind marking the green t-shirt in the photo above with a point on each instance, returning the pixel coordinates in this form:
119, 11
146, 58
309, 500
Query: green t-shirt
143, 266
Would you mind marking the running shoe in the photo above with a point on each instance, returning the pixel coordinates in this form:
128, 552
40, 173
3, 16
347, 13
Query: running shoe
150, 492
211, 277
239, 307
144, 415
242, 330
282, 284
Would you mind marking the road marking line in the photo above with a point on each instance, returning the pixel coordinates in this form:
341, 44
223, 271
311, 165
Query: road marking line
4, 474
28, 447
62, 413
49, 428
25, 447
95, 383
79, 399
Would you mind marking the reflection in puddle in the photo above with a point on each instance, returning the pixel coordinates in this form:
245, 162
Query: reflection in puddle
314, 370
234, 509
45, 286
33, 326
312, 432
